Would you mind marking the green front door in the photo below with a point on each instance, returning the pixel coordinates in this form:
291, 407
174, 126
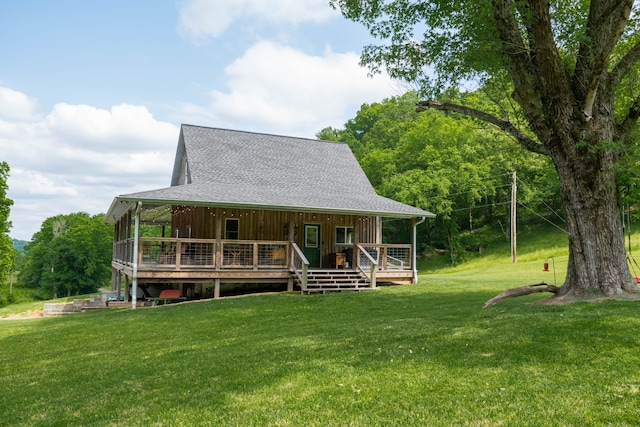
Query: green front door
312, 244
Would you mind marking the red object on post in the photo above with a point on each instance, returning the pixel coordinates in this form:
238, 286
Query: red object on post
546, 266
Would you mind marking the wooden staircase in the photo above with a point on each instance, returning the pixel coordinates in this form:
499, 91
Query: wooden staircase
335, 281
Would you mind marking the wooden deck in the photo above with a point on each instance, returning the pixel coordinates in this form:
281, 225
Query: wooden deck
202, 261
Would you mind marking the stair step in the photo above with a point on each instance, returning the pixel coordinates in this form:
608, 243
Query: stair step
334, 281
336, 285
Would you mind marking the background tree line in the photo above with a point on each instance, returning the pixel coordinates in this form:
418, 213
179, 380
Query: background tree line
8, 254
69, 255
456, 167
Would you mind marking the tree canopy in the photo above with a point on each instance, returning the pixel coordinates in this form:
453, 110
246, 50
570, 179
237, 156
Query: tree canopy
69, 255
6, 249
453, 166
568, 77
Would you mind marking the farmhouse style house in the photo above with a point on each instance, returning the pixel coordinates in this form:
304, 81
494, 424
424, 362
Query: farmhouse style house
248, 208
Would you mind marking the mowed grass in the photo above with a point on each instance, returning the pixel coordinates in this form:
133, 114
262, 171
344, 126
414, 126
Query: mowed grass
419, 355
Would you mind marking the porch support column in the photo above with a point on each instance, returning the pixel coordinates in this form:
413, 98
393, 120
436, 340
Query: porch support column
136, 235
291, 227
119, 285
216, 288
218, 253
114, 278
127, 289
356, 241
414, 244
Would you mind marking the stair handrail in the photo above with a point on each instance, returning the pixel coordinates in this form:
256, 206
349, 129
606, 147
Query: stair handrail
373, 265
398, 261
300, 265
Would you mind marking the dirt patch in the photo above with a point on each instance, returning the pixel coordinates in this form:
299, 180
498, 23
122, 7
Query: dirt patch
33, 314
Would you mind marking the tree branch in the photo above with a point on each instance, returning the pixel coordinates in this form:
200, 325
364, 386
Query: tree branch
605, 25
521, 64
524, 140
551, 81
623, 129
521, 291
628, 61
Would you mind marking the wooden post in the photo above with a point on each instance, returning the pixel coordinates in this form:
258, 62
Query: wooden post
136, 237
255, 255
373, 275
127, 288
303, 285
119, 284
292, 238
178, 253
356, 241
114, 274
218, 254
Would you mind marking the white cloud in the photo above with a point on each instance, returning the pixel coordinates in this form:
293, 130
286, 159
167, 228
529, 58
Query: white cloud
108, 130
16, 105
78, 157
276, 88
35, 183
203, 19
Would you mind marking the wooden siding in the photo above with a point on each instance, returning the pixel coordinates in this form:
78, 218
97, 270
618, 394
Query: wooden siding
202, 222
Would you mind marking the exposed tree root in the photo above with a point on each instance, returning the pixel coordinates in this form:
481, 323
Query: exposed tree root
521, 291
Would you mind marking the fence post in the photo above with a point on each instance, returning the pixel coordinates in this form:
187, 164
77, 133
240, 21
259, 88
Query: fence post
304, 277
373, 275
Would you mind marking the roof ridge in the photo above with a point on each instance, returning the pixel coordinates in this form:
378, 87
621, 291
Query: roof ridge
262, 133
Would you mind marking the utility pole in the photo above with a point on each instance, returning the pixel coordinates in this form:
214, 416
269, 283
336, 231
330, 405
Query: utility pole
513, 219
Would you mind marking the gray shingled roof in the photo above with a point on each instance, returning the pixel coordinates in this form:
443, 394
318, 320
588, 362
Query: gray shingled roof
252, 170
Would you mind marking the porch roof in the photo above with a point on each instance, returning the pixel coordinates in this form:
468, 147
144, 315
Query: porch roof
252, 197
233, 169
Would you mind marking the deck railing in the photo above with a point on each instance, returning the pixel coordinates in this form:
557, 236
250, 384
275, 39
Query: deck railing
254, 254
178, 253
390, 257
300, 265
123, 252
367, 264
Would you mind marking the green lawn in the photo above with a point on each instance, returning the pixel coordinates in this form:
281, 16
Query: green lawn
423, 355
419, 355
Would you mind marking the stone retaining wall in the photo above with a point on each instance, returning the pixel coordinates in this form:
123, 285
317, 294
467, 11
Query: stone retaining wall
76, 306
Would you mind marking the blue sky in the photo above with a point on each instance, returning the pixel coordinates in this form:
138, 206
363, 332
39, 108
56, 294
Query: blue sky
92, 94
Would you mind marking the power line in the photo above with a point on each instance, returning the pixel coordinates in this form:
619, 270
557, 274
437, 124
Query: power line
545, 203
481, 206
538, 215
473, 191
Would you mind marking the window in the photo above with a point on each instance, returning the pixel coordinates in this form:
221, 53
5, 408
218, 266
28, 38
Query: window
311, 237
344, 235
232, 229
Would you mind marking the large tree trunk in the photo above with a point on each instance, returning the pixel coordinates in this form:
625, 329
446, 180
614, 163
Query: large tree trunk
597, 263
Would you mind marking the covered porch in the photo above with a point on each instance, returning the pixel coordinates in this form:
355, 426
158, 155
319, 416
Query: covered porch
199, 249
